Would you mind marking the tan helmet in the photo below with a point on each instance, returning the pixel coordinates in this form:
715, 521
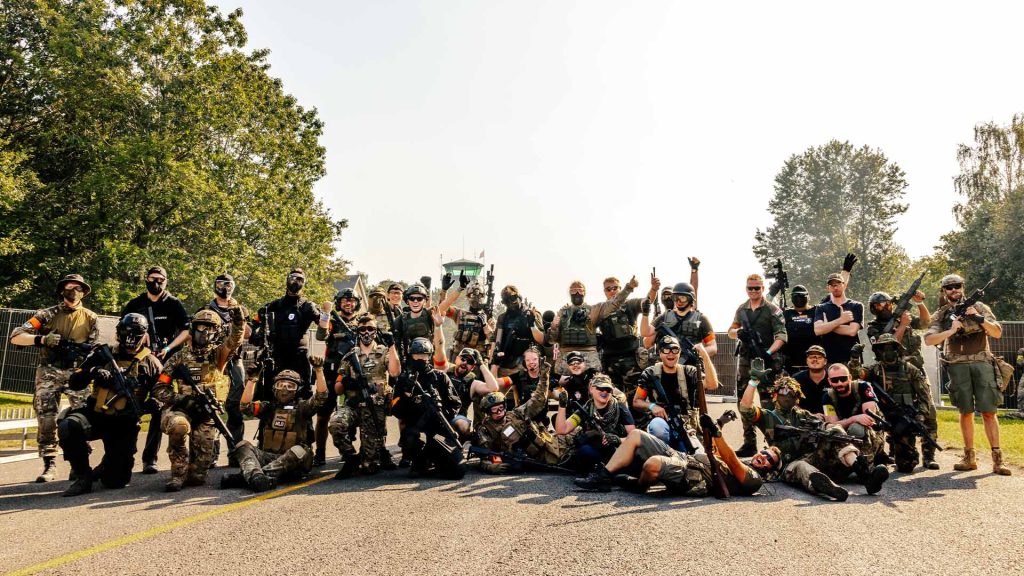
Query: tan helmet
490, 401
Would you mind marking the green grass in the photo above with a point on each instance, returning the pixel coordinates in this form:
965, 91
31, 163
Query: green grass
15, 400
1011, 436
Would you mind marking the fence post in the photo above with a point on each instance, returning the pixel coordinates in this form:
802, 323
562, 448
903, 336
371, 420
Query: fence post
7, 344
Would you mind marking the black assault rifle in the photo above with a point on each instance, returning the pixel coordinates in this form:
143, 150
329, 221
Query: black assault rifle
489, 304
814, 436
123, 387
207, 405
902, 305
901, 419
960, 309
781, 283
518, 459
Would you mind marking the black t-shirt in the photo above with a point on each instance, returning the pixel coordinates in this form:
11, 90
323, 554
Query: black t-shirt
293, 315
576, 386
837, 347
849, 405
812, 392
799, 335
167, 315
605, 417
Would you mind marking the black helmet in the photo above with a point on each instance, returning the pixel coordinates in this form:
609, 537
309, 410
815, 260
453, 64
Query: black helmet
683, 289
879, 298
131, 330
421, 346
414, 290
347, 293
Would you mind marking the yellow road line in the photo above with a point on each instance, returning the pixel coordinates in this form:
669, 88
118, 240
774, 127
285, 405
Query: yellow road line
103, 547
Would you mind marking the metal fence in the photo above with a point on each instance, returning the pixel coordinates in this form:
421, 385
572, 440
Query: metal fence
1005, 347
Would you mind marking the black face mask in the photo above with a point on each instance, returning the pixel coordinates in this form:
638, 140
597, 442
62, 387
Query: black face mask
667, 302
799, 300
295, 287
576, 299
154, 288
890, 355
366, 338
74, 296
419, 366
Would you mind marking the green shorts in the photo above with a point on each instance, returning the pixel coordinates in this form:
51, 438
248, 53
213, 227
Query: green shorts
972, 387
673, 464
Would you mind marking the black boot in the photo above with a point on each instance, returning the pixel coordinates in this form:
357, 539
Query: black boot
630, 484
349, 467
386, 461
232, 480
878, 475
81, 485
597, 481
824, 486
261, 483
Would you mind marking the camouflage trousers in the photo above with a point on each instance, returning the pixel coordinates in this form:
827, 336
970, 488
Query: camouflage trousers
297, 461
368, 420
765, 398
50, 383
624, 369
189, 445
828, 458
873, 440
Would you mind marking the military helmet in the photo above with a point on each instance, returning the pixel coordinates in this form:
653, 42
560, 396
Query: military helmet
378, 293
347, 293
206, 316
787, 382
951, 279
490, 401
879, 298
886, 340
131, 330
288, 376
415, 289
421, 346
683, 289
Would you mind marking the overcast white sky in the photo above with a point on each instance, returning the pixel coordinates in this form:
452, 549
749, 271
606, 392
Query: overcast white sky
582, 139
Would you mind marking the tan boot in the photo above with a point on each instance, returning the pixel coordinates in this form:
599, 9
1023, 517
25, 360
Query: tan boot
968, 462
997, 463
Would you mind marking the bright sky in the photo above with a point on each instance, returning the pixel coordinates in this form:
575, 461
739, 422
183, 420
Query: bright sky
586, 139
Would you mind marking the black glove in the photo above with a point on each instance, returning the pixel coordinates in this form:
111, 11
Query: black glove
645, 307
425, 280
977, 318
102, 375
185, 403
742, 334
478, 358
463, 280
531, 320
849, 261
257, 339
613, 440
386, 338
709, 426
694, 264
725, 418
563, 399
447, 281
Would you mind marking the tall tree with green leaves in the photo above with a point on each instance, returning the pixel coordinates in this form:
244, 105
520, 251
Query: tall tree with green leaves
831, 200
140, 132
989, 242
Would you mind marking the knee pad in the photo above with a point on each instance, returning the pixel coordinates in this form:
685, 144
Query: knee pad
659, 428
178, 426
857, 430
73, 425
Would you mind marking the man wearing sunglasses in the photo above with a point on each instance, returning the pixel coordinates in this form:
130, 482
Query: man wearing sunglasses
848, 402
678, 381
766, 319
52, 330
610, 414
293, 315
574, 327
968, 359
683, 319
618, 339
838, 321
168, 330
337, 329
472, 381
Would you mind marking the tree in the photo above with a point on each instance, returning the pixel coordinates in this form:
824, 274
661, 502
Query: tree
153, 138
831, 200
989, 241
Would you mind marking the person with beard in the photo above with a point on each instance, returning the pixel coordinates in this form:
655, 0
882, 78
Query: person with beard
574, 327
517, 330
293, 315
223, 301
283, 451
608, 411
906, 332
679, 382
424, 440
618, 339
847, 402
800, 336
814, 468
366, 364
838, 320
191, 434
908, 386
968, 360
813, 381
53, 330
472, 380
337, 328
168, 329
472, 326
109, 416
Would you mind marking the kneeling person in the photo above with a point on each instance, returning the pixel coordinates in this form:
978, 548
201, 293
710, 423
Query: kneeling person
284, 421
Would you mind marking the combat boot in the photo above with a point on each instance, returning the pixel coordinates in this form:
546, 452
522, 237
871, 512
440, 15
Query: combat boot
82, 485
49, 469
193, 480
968, 462
929, 459
233, 480
630, 484
174, 484
822, 485
319, 459
876, 477
349, 467
149, 468
997, 463
597, 481
386, 461
261, 483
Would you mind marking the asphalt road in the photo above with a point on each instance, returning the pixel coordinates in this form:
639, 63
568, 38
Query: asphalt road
928, 522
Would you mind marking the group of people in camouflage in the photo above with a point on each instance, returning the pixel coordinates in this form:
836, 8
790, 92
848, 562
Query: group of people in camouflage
611, 392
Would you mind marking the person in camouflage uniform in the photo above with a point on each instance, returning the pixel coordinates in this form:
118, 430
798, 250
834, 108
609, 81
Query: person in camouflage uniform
368, 365
337, 330
517, 328
897, 375
906, 331
59, 331
816, 469
619, 339
108, 415
968, 359
518, 432
574, 327
472, 326
283, 450
190, 436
